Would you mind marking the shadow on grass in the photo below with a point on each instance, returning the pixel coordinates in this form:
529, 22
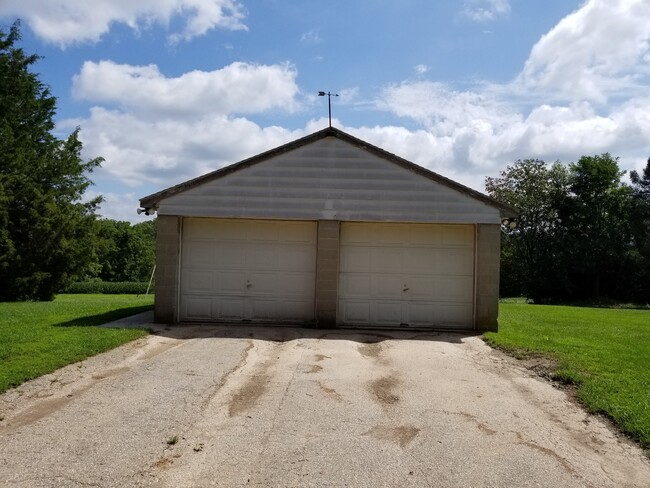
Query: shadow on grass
104, 318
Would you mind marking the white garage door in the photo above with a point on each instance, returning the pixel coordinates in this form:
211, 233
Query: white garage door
248, 270
406, 275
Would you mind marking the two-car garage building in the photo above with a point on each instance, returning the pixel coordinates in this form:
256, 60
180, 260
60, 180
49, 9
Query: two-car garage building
327, 231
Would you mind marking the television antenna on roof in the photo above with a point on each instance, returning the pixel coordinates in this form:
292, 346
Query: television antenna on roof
329, 102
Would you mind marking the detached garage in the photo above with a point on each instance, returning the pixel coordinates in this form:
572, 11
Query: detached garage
327, 231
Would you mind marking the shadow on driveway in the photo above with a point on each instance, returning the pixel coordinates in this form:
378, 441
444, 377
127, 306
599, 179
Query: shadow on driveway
283, 333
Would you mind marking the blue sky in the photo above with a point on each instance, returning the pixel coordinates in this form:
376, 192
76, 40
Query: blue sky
166, 90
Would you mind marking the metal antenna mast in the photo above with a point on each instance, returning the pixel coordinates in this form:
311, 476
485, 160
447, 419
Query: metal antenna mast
329, 102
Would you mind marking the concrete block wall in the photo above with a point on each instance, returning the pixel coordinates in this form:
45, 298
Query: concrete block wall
488, 257
327, 272
168, 231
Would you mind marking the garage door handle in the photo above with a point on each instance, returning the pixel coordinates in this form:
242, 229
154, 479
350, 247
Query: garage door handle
248, 284
406, 288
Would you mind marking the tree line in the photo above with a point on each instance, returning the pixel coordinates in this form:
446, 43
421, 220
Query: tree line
583, 234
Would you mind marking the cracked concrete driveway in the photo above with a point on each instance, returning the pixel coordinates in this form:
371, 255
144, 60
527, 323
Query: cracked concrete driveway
232, 406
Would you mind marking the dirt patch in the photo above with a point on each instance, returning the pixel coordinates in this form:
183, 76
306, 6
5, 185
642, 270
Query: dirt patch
370, 350
481, 426
549, 452
402, 435
330, 392
246, 397
320, 357
163, 462
383, 389
110, 372
315, 368
159, 349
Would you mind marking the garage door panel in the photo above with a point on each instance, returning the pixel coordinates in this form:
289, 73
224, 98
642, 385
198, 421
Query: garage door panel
386, 259
296, 286
453, 315
388, 312
387, 286
420, 313
458, 236
356, 260
357, 235
419, 287
297, 233
199, 308
199, 281
389, 235
296, 257
419, 259
454, 289
419, 274
455, 262
230, 308
229, 283
261, 271
199, 252
355, 312
356, 286
230, 255
227, 230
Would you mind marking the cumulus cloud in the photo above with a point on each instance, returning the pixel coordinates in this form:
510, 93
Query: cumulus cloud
65, 22
160, 130
119, 206
559, 107
167, 151
421, 69
237, 88
485, 10
600, 50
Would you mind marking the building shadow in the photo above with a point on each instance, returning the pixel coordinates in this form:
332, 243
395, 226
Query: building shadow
282, 333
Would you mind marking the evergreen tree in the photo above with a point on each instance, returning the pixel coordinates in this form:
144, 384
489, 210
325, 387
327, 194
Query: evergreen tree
45, 227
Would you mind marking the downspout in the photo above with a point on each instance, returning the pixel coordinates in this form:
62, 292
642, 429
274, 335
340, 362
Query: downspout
476, 227
177, 318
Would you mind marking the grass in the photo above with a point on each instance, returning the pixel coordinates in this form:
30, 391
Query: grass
604, 352
37, 338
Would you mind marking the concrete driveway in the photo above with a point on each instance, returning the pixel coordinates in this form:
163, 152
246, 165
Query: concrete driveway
253, 406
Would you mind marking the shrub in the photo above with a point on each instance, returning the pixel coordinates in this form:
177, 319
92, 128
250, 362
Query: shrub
109, 288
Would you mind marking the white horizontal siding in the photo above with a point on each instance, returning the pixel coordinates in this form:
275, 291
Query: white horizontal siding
329, 179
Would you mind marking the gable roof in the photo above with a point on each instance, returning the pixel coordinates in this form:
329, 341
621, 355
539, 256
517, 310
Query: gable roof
152, 201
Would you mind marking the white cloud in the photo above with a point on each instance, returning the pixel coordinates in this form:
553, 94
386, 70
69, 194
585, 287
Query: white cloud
583, 90
164, 152
478, 134
598, 51
65, 22
311, 37
236, 88
421, 69
119, 206
159, 130
485, 10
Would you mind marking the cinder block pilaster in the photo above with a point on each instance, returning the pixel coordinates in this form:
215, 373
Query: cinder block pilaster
488, 257
327, 272
168, 231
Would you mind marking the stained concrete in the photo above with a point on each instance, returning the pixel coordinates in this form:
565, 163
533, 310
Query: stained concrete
267, 407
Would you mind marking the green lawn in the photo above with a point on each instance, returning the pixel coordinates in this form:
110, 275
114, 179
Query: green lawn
605, 352
39, 337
